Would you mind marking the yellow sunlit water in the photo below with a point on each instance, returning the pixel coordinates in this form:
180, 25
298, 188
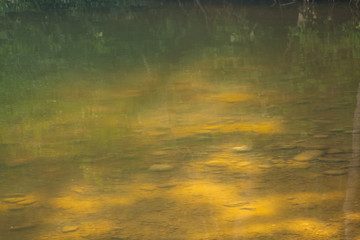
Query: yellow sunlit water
168, 123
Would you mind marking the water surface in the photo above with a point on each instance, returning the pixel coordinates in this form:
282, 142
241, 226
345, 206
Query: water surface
166, 122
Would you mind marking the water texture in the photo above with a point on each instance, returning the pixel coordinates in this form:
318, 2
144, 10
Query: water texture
180, 122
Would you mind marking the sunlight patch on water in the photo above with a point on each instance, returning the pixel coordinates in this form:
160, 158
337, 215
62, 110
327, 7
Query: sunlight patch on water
228, 161
311, 227
262, 127
306, 228
82, 229
77, 205
353, 216
233, 97
205, 191
265, 216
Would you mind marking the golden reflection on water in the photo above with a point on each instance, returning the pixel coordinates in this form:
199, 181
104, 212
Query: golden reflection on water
191, 158
218, 193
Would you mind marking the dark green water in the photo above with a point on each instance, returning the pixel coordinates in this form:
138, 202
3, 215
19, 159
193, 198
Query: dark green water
169, 123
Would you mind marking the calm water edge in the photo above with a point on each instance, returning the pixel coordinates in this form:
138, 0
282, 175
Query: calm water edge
180, 122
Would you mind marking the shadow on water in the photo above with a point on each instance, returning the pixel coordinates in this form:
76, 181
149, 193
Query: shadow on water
181, 122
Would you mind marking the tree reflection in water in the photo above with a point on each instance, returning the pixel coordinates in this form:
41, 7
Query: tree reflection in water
352, 192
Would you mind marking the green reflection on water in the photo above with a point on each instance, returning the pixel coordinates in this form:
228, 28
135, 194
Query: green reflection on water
149, 124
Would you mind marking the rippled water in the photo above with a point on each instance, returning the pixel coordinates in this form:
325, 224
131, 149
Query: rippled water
172, 123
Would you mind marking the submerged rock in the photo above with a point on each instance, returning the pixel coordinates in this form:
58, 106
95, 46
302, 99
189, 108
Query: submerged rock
161, 167
336, 172
22, 227
27, 202
14, 199
21, 200
308, 155
241, 149
216, 163
338, 150
68, 229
